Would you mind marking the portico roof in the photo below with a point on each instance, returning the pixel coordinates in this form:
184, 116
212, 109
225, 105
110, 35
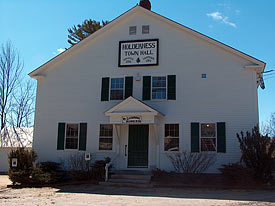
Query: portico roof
132, 106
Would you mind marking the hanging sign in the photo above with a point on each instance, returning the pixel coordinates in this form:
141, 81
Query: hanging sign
131, 119
138, 53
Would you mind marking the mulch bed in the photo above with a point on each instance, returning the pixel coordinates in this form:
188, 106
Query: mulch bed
206, 181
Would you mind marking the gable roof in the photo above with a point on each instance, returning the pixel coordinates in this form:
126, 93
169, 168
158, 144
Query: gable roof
16, 137
136, 104
35, 74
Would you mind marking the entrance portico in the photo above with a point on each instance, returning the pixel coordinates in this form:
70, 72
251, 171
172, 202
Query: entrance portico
136, 129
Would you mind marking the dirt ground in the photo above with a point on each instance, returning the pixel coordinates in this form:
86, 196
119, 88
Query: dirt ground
4, 181
76, 195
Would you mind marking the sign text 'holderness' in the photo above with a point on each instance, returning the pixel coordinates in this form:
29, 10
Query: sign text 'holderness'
138, 53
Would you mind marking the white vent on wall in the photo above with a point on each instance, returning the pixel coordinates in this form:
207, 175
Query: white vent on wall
145, 29
132, 30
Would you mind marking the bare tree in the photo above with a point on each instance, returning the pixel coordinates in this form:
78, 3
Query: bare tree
22, 106
10, 75
268, 128
16, 99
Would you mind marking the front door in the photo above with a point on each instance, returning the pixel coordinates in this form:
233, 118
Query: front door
138, 146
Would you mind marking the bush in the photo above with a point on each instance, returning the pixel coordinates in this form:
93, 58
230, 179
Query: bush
187, 162
25, 158
257, 153
47, 173
50, 166
25, 162
19, 176
98, 171
77, 162
237, 174
25, 173
79, 175
159, 173
39, 176
79, 168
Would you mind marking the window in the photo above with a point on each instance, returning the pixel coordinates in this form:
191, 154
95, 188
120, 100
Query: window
159, 87
132, 30
208, 137
72, 136
106, 137
171, 140
117, 87
145, 29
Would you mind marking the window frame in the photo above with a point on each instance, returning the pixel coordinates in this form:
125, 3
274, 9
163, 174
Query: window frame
166, 94
105, 137
216, 137
110, 89
171, 137
143, 29
134, 33
78, 128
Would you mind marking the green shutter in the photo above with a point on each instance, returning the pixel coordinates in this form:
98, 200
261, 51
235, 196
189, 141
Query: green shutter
171, 87
146, 91
221, 137
195, 137
83, 136
105, 89
128, 87
61, 136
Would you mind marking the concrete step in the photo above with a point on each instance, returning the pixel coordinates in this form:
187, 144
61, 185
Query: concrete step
131, 172
124, 184
129, 176
129, 181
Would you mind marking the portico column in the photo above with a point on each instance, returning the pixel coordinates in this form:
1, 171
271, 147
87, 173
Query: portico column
155, 126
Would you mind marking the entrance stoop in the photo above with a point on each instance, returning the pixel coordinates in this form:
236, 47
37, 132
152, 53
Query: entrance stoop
129, 179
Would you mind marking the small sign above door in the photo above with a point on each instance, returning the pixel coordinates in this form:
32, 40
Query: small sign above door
138, 53
131, 119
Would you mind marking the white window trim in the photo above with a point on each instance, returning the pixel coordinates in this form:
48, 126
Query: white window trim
110, 87
77, 149
166, 77
216, 137
170, 137
101, 150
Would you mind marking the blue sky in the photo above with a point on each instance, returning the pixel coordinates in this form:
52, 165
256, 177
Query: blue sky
38, 28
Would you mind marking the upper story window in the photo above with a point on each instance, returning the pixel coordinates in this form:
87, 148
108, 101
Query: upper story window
117, 89
132, 30
208, 137
145, 29
159, 87
72, 136
171, 140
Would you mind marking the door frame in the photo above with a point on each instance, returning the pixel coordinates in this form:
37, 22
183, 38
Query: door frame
148, 145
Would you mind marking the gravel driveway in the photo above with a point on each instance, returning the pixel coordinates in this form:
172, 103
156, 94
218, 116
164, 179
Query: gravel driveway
75, 195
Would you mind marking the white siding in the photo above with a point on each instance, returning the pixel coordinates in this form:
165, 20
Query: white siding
72, 88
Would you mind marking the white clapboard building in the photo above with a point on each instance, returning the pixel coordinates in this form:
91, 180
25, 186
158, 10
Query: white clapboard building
144, 87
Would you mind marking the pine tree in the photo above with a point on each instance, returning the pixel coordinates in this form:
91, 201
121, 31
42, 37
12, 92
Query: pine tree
81, 31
